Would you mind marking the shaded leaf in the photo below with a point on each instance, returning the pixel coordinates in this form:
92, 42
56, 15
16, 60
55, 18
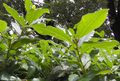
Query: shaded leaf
89, 75
90, 22
4, 76
93, 53
31, 71
3, 46
38, 52
22, 41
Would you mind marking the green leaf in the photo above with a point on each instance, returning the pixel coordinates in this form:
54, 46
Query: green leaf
85, 38
104, 72
38, 52
16, 26
31, 71
4, 76
73, 77
35, 14
89, 75
3, 25
49, 30
15, 14
101, 34
88, 45
39, 79
108, 62
93, 53
90, 22
44, 45
22, 41
72, 31
3, 46
85, 59
28, 3
13, 67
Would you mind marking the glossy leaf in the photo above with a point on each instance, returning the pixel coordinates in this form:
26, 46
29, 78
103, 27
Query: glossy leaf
21, 42
88, 45
85, 60
3, 25
71, 31
49, 30
16, 27
85, 38
28, 3
15, 14
4, 76
35, 14
73, 77
90, 21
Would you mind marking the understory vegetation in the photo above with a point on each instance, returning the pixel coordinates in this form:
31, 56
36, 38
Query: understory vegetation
78, 57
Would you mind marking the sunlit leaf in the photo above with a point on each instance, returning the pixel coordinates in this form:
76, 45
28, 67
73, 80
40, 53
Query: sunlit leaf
88, 45
28, 3
3, 25
44, 45
101, 34
104, 72
49, 30
108, 62
35, 14
90, 22
15, 14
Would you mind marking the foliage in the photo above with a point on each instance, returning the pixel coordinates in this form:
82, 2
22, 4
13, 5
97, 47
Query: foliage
81, 57
67, 13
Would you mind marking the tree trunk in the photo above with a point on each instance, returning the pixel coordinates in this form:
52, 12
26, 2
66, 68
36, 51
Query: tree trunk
114, 18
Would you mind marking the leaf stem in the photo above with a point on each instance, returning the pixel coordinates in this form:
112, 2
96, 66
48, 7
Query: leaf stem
7, 58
